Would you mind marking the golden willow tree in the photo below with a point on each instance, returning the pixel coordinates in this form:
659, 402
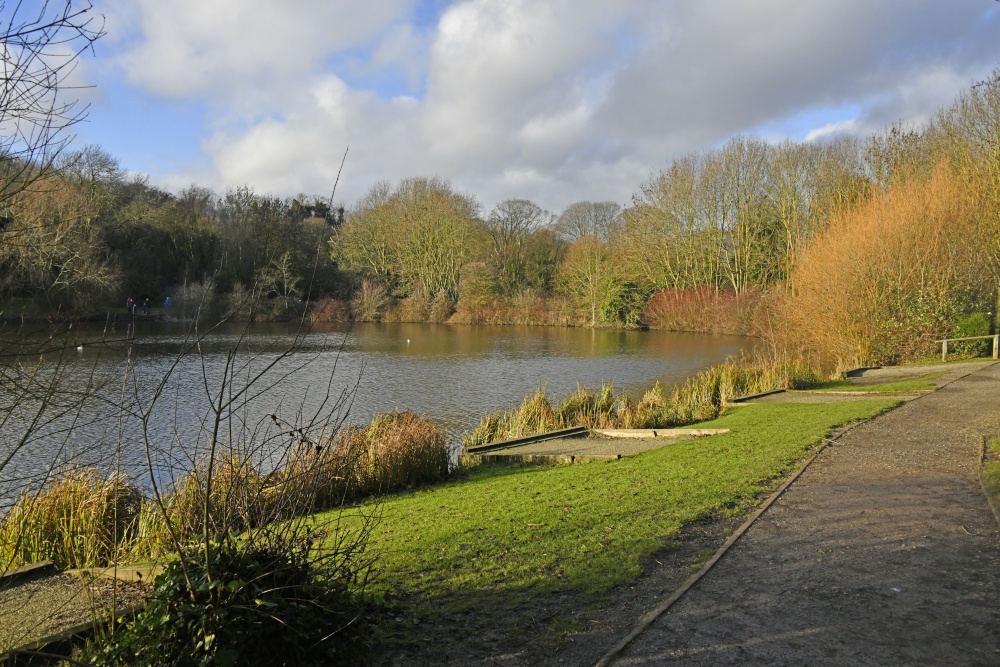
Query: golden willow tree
919, 259
891, 276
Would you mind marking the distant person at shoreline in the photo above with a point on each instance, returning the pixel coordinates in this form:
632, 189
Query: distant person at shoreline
145, 306
130, 306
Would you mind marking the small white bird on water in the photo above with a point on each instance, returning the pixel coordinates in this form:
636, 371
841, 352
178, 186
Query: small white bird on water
407, 341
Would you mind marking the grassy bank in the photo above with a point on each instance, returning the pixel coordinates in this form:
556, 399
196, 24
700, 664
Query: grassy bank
491, 542
84, 519
699, 398
921, 384
991, 471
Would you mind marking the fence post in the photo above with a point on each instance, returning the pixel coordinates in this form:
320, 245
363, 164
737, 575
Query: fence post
996, 346
944, 350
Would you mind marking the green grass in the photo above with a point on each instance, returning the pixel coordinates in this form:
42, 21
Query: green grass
991, 471
922, 384
504, 533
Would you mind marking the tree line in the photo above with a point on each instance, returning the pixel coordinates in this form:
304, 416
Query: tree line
87, 235
724, 226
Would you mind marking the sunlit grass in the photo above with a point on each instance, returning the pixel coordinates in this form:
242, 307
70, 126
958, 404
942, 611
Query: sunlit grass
699, 398
879, 388
923, 383
991, 471
511, 531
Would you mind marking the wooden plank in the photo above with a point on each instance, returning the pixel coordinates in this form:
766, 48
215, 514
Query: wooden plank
658, 432
528, 439
739, 400
946, 340
43, 568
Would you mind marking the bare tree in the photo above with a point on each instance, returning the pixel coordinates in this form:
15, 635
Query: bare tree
41, 46
587, 218
509, 225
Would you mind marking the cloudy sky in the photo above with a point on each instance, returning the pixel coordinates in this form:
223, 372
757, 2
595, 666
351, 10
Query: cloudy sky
549, 100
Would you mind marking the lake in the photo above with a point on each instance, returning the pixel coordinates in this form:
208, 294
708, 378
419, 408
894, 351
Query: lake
453, 373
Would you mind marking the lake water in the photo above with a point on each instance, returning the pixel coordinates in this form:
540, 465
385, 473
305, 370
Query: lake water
454, 374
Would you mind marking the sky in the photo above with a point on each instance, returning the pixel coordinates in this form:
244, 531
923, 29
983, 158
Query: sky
555, 101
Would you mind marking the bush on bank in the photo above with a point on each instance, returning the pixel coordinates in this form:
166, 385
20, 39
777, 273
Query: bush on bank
273, 602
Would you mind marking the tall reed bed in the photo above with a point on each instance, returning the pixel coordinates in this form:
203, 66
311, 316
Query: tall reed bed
85, 520
698, 399
81, 519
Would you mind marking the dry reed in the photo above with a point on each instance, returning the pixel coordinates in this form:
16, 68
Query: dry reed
80, 520
85, 520
698, 399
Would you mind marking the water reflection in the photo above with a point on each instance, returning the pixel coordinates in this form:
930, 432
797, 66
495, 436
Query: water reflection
455, 374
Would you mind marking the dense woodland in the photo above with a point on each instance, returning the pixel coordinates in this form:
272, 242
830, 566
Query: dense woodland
863, 249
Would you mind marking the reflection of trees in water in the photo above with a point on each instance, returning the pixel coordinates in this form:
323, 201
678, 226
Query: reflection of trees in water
453, 373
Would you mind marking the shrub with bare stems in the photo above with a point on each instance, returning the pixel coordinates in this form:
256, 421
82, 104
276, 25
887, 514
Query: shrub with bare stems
889, 277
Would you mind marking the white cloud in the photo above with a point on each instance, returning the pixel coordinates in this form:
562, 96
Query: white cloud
216, 47
555, 100
833, 129
403, 48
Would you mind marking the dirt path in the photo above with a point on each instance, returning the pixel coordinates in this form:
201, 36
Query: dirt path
44, 605
883, 553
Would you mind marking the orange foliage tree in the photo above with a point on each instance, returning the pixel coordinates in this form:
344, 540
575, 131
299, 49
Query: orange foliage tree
889, 277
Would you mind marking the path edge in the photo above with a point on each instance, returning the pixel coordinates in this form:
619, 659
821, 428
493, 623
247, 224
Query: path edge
982, 482
651, 616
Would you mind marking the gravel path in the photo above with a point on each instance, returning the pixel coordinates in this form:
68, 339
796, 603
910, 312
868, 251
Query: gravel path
883, 553
44, 605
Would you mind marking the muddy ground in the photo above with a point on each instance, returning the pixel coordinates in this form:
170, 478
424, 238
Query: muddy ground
39, 606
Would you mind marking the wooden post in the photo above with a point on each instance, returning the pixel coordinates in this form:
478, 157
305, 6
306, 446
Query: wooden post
996, 346
944, 350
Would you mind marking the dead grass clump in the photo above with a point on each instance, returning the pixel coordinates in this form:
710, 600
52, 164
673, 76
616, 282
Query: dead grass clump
80, 520
394, 451
593, 409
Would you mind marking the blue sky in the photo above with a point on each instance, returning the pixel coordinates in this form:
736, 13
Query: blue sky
550, 100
